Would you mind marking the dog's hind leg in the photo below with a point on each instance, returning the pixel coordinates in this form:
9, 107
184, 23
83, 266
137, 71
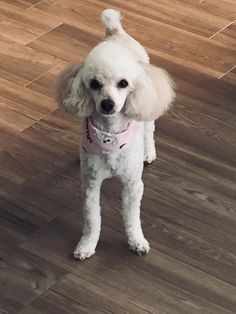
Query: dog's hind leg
149, 143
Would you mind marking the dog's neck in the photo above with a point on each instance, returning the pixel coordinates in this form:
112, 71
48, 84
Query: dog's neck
110, 124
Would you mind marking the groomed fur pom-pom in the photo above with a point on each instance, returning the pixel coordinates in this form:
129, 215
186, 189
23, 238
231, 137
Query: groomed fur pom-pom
111, 20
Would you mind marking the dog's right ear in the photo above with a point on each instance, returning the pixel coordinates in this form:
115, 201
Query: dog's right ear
71, 92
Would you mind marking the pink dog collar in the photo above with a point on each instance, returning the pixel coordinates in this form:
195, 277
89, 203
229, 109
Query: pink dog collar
95, 141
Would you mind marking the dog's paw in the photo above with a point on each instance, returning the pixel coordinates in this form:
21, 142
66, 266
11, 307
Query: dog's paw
150, 156
83, 250
81, 254
141, 247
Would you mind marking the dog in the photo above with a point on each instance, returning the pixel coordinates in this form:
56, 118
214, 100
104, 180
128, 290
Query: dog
118, 94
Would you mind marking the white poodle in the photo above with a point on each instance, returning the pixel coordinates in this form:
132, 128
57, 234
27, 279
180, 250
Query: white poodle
119, 95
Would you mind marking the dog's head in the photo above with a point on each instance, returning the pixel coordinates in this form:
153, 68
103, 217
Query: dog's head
111, 81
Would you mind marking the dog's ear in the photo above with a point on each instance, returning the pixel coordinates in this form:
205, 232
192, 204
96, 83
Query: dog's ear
71, 92
152, 95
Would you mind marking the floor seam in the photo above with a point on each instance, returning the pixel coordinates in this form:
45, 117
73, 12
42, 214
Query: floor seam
44, 33
222, 29
34, 5
230, 70
41, 75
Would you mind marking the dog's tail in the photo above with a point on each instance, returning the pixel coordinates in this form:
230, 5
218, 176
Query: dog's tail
111, 20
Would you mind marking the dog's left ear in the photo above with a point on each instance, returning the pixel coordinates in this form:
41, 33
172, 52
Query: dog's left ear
152, 95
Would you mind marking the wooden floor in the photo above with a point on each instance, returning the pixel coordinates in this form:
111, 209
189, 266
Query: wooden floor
189, 205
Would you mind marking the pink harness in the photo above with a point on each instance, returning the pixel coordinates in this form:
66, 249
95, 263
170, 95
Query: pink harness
95, 141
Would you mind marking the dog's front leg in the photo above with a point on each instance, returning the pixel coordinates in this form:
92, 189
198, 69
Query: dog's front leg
149, 143
92, 219
132, 195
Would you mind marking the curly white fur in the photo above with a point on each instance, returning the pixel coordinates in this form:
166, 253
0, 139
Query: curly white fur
148, 95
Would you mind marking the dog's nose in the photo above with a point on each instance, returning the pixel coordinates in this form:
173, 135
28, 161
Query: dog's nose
107, 105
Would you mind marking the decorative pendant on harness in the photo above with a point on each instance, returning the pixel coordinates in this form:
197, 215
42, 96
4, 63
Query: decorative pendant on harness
95, 141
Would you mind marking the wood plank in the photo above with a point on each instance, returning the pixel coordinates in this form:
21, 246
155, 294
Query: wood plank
25, 4
25, 101
205, 94
23, 62
168, 42
69, 13
24, 276
227, 36
26, 154
15, 224
222, 8
9, 116
78, 41
230, 78
74, 295
194, 16
29, 156
160, 205
46, 83
22, 26
169, 291
9, 306
23, 211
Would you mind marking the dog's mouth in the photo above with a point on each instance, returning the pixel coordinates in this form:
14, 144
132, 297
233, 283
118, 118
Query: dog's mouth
105, 114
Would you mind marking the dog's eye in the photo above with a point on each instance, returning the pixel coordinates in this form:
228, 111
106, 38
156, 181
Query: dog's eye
95, 84
123, 84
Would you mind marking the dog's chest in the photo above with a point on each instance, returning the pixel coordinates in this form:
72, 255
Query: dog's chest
115, 162
125, 163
